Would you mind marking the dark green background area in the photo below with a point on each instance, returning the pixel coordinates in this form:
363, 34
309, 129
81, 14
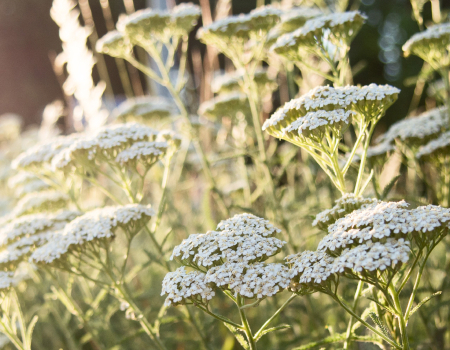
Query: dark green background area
28, 35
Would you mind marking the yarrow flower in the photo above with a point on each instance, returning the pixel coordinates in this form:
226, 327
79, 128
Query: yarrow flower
91, 228
182, 287
232, 82
24, 183
258, 280
41, 201
29, 225
417, 130
103, 145
114, 44
431, 45
338, 28
227, 104
370, 102
381, 220
309, 269
146, 153
148, 26
6, 280
344, 205
435, 148
144, 109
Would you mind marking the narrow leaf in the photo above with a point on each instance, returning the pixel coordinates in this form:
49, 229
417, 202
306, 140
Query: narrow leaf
273, 329
380, 325
389, 187
239, 337
338, 338
422, 302
387, 308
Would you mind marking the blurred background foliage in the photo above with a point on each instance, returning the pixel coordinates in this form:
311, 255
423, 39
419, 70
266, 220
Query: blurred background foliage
29, 40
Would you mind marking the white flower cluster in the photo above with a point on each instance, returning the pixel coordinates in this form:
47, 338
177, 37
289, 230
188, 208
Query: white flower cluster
317, 123
230, 82
435, 147
41, 201
215, 247
6, 280
157, 25
369, 101
95, 225
230, 28
144, 108
417, 130
24, 183
380, 220
147, 152
309, 267
258, 280
296, 17
41, 155
430, 43
80, 61
341, 28
233, 256
372, 256
182, 287
107, 142
115, 44
32, 224
344, 205
226, 104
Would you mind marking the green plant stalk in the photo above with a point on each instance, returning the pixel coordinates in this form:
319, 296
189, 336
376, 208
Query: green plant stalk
281, 308
76, 310
245, 324
363, 159
219, 317
401, 319
350, 322
373, 329
174, 91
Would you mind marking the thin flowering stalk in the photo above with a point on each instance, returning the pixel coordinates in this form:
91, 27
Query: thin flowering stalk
245, 324
350, 322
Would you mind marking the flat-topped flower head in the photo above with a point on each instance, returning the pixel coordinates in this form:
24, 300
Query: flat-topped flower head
144, 109
309, 269
15, 253
344, 205
318, 123
171, 138
146, 25
21, 178
296, 17
6, 280
435, 148
418, 130
431, 45
232, 82
184, 17
369, 102
41, 201
92, 227
145, 153
182, 287
243, 238
240, 28
103, 145
114, 44
32, 224
258, 280
381, 220
228, 104
371, 257
31, 187
245, 224
338, 28
40, 156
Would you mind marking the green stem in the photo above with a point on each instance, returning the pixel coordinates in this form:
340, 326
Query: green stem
219, 317
363, 159
245, 324
350, 322
281, 308
401, 319
373, 329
